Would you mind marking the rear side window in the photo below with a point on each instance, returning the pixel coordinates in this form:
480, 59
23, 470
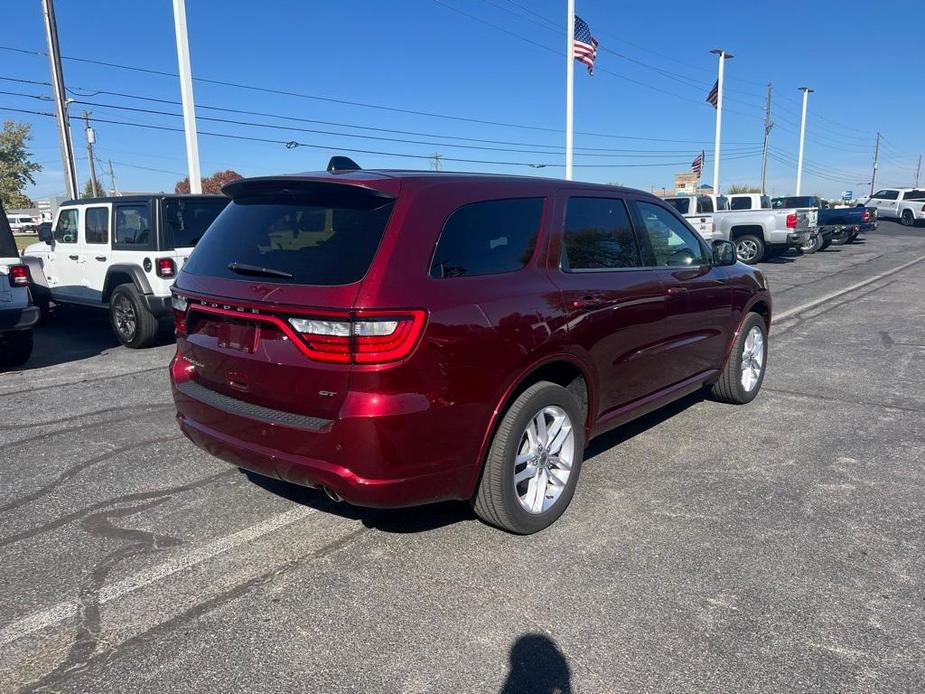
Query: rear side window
295, 239
598, 236
66, 228
915, 195
133, 226
722, 203
186, 219
704, 204
682, 205
741, 203
487, 238
97, 224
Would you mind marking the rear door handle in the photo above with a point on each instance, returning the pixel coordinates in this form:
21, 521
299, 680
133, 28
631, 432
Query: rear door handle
677, 291
588, 302
101, 258
73, 257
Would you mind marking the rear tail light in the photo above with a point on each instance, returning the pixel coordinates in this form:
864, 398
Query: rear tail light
865, 216
179, 304
166, 268
791, 221
368, 337
19, 276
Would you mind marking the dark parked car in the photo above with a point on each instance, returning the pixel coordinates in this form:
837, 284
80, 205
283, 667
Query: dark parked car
399, 338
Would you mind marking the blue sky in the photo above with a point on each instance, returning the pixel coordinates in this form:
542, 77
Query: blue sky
642, 115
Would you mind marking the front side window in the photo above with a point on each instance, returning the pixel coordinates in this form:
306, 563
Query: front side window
673, 243
722, 202
598, 236
66, 228
740, 203
487, 238
890, 194
704, 205
133, 225
97, 224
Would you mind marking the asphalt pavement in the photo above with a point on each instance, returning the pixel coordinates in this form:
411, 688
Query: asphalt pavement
772, 547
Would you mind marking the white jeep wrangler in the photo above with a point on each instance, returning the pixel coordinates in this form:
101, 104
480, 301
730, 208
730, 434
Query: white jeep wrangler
120, 254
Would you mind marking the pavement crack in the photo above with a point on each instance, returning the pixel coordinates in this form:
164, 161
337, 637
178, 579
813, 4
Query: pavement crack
81, 382
73, 470
87, 637
126, 412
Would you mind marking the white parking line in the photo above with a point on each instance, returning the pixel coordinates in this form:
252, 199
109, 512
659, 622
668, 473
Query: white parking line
184, 560
784, 315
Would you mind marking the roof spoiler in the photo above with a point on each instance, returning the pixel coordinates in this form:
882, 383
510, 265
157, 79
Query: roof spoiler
337, 164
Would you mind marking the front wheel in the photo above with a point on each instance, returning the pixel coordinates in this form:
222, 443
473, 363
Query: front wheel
534, 461
15, 348
743, 372
134, 325
750, 249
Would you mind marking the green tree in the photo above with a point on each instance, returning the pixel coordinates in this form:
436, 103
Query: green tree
212, 184
742, 188
88, 189
16, 165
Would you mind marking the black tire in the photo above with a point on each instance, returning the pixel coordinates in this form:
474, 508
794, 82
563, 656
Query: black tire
908, 219
852, 237
814, 244
749, 244
15, 348
134, 325
495, 500
729, 387
825, 243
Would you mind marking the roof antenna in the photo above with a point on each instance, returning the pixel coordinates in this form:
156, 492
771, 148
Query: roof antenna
337, 164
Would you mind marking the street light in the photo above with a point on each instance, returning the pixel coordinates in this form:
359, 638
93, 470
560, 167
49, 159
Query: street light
806, 92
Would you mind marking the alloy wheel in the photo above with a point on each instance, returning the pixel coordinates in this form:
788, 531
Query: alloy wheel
544, 459
746, 250
126, 320
752, 358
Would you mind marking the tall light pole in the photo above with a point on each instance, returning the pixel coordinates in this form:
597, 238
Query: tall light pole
57, 83
806, 92
569, 88
723, 57
186, 92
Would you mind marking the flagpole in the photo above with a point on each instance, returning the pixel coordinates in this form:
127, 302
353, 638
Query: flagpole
723, 56
569, 89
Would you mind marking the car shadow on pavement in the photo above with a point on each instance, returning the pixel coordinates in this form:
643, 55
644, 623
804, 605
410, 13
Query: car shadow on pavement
537, 667
74, 333
415, 519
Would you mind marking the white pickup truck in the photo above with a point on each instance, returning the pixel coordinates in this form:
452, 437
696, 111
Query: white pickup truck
905, 204
757, 232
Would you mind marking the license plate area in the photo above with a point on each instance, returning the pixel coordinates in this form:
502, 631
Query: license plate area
238, 336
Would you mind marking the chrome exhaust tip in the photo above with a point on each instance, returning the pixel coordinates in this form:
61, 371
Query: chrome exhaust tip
332, 495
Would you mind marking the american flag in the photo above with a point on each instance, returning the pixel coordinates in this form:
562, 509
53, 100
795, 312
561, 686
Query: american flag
697, 164
585, 45
713, 96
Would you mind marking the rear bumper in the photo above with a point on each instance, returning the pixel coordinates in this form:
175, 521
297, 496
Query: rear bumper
19, 319
367, 460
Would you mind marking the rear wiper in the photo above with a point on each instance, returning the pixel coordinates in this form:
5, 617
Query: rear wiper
245, 269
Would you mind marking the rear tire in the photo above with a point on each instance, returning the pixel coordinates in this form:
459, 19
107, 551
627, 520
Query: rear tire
825, 243
814, 244
908, 219
502, 501
15, 348
750, 249
134, 325
735, 386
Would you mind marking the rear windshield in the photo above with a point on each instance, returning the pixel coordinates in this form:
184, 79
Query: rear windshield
794, 202
7, 244
313, 243
682, 205
186, 219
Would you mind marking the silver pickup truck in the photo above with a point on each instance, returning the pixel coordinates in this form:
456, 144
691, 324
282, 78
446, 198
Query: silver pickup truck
757, 233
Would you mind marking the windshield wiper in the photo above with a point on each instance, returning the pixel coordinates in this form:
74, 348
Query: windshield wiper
245, 269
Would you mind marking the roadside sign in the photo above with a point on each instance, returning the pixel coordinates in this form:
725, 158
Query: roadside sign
847, 195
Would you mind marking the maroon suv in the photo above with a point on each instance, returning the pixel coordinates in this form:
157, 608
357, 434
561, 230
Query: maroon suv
399, 338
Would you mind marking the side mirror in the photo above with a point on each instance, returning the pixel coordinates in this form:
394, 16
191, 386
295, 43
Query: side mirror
724, 252
46, 234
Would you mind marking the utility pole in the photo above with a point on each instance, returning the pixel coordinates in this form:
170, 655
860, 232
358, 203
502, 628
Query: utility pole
437, 157
112, 179
918, 170
723, 57
91, 140
186, 93
767, 136
806, 92
57, 83
873, 176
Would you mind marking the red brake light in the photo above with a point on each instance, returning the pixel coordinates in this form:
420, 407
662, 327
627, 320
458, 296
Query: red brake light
865, 216
368, 337
791, 221
19, 276
166, 267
